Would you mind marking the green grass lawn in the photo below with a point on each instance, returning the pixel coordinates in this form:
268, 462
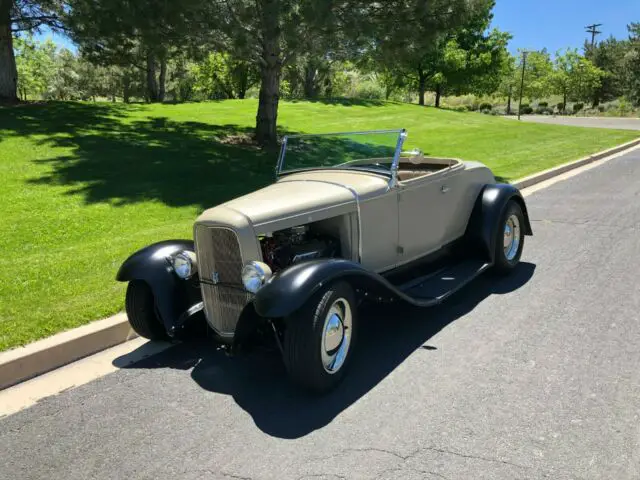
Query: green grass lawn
84, 185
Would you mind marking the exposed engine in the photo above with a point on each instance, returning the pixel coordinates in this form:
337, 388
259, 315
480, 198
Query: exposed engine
293, 245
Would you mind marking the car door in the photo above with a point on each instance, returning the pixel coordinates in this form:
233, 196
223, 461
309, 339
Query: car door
426, 206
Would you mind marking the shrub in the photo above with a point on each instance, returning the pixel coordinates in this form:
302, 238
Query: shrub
543, 104
623, 106
577, 107
601, 108
369, 90
486, 106
460, 108
526, 109
544, 110
560, 107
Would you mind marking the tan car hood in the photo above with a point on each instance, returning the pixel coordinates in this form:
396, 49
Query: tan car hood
301, 194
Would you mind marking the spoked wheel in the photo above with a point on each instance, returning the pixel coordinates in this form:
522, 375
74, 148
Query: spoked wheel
141, 311
509, 239
319, 338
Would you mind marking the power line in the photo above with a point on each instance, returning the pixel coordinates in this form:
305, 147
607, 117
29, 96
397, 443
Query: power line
593, 30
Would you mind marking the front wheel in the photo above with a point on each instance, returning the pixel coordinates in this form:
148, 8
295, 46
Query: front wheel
319, 338
140, 307
509, 238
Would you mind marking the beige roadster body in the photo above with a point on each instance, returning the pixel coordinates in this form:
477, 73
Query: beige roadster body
380, 224
345, 213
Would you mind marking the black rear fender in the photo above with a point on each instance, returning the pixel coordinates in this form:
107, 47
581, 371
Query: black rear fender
173, 295
487, 214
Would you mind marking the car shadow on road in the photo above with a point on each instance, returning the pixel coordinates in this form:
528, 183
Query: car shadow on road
259, 385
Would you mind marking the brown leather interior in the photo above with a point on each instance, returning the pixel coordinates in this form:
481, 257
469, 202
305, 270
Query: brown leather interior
409, 171
404, 175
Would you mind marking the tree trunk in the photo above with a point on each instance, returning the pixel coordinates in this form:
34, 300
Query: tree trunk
162, 79
388, 90
267, 117
564, 102
8, 72
152, 84
438, 95
328, 88
126, 88
509, 101
422, 87
310, 74
243, 81
270, 69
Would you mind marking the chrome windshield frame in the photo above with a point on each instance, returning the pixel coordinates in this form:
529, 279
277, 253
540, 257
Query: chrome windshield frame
402, 134
396, 159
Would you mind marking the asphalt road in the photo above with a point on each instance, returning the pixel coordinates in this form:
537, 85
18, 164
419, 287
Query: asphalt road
596, 122
532, 376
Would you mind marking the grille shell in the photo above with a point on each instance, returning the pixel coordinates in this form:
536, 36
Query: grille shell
218, 250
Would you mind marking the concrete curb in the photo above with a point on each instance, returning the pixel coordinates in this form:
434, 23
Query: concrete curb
560, 169
54, 352
40, 357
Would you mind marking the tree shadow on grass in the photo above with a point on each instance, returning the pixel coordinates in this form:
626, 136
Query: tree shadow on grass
112, 158
344, 102
259, 385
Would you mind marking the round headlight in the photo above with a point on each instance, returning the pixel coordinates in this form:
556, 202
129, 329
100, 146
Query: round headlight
254, 276
184, 264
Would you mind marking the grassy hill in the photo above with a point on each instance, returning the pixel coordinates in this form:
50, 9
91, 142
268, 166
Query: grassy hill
84, 185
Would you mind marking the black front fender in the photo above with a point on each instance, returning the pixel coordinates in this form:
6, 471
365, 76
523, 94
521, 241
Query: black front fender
488, 212
173, 296
289, 289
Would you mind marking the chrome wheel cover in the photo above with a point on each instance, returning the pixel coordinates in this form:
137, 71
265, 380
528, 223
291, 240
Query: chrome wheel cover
336, 336
511, 237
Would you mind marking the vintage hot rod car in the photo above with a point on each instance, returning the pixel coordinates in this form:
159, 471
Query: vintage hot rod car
350, 217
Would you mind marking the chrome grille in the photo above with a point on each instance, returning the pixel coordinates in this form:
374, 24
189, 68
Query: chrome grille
219, 255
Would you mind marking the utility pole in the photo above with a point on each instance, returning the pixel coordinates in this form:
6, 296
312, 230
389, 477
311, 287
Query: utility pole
524, 65
593, 30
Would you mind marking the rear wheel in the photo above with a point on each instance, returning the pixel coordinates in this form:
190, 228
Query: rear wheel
509, 238
319, 338
140, 307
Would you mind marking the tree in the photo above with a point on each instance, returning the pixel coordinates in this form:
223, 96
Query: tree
537, 75
508, 80
471, 62
21, 16
487, 61
608, 56
272, 33
220, 76
574, 77
35, 64
631, 64
138, 33
67, 79
419, 37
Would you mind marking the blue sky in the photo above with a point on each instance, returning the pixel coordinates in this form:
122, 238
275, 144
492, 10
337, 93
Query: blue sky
535, 24
558, 24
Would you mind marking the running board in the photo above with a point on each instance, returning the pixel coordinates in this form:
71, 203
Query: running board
434, 288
